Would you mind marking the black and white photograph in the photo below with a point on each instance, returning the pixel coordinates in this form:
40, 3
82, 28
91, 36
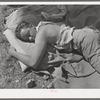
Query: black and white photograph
50, 46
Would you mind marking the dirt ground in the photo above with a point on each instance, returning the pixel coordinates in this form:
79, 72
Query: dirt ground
11, 75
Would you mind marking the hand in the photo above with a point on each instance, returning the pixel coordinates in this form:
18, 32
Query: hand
45, 15
12, 50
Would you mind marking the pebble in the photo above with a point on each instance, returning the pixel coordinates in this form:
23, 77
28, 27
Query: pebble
31, 83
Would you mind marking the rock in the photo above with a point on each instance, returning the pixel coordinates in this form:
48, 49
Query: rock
31, 83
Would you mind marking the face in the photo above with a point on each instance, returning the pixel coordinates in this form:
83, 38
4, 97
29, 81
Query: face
28, 34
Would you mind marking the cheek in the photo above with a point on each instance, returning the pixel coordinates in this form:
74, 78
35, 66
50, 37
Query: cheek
24, 37
23, 34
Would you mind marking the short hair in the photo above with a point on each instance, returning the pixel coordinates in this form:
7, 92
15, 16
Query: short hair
22, 25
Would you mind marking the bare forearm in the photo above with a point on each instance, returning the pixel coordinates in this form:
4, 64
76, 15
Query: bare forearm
22, 57
63, 9
59, 15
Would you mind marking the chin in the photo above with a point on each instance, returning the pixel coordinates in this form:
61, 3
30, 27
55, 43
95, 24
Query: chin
32, 41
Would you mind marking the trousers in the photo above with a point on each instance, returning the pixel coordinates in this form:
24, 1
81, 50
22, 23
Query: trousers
86, 42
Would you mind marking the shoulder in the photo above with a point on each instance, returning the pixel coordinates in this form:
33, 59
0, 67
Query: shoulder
41, 34
48, 29
48, 32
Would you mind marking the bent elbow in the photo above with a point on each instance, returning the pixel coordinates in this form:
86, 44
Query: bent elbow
33, 65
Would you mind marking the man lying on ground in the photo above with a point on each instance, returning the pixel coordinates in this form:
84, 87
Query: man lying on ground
81, 69
84, 41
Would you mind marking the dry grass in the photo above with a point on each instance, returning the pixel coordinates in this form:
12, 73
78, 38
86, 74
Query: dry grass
11, 75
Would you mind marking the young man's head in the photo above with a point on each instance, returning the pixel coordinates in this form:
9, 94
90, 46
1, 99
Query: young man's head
25, 32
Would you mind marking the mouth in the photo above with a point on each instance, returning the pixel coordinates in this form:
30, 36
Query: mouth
32, 39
